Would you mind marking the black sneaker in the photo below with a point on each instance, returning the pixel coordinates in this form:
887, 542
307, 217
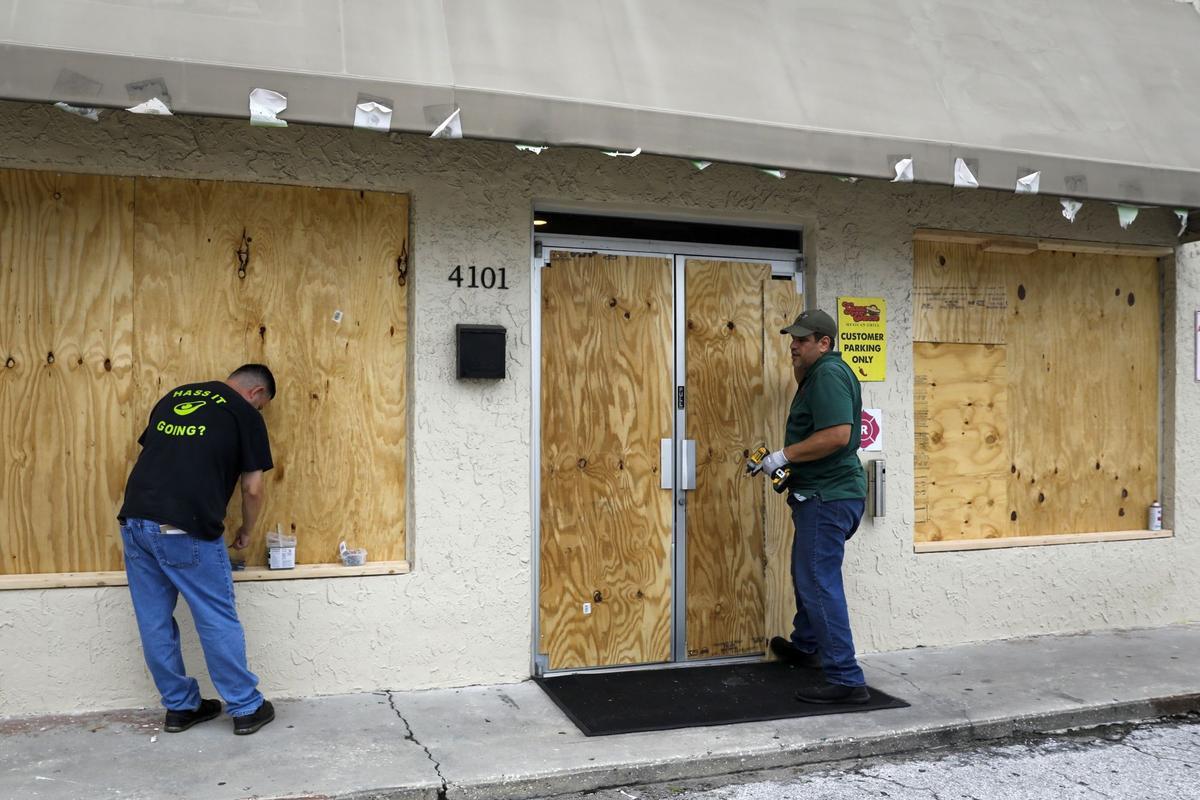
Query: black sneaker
786, 650
832, 693
177, 721
248, 724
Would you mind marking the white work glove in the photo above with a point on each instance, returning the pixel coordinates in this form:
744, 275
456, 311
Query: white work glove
770, 463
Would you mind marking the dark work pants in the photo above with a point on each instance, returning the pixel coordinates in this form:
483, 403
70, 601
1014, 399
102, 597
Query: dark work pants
822, 622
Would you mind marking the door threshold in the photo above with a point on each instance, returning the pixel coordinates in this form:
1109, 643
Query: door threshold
702, 662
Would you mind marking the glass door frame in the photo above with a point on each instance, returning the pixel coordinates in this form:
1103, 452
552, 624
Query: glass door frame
782, 262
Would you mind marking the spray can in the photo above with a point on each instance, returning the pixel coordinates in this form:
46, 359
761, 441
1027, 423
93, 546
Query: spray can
1154, 518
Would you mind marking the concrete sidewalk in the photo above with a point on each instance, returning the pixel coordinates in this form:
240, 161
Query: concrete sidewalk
510, 741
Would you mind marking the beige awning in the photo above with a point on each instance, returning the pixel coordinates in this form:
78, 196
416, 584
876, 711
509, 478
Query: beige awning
1097, 95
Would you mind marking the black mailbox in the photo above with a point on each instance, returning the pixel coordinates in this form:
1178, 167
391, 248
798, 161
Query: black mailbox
480, 351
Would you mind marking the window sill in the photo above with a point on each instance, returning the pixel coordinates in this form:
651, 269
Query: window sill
62, 580
1037, 541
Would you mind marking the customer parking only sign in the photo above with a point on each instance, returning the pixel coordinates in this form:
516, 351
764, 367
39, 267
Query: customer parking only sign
862, 336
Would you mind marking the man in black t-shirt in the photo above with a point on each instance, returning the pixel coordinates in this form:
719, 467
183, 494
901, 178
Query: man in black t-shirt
203, 439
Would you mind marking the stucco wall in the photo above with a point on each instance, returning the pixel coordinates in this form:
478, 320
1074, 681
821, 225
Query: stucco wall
463, 615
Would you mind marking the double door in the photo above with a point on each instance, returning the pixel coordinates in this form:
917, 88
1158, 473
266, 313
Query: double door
659, 373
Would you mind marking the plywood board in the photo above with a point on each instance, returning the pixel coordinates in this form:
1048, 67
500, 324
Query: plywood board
921, 474
998, 242
726, 417
338, 424
66, 378
63, 580
959, 294
1079, 450
115, 290
962, 438
781, 304
1039, 541
965, 507
1084, 352
606, 404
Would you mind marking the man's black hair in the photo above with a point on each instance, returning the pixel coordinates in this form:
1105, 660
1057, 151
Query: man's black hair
259, 373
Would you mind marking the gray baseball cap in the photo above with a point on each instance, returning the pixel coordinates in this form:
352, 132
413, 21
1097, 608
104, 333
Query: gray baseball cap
812, 322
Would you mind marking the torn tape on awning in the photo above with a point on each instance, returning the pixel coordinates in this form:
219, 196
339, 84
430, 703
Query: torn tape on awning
264, 106
1070, 208
87, 112
373, 116
964, 177
451, 127
1029, 184
153, 106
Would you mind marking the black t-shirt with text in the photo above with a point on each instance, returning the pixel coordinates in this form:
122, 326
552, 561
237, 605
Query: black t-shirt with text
200, 439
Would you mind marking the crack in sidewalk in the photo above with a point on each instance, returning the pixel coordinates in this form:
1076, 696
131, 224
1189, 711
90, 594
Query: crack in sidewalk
897, 673
410, 737
1156, 756
866, 775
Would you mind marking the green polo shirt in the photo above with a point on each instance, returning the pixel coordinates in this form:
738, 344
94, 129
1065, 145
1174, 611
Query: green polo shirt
829, 395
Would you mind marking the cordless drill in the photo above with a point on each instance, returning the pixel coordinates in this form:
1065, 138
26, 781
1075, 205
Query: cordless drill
779, 477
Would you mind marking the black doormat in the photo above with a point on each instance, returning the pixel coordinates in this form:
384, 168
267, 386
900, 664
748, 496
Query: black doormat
684, 697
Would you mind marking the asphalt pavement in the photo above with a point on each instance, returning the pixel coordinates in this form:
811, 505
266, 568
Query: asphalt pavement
1130, 762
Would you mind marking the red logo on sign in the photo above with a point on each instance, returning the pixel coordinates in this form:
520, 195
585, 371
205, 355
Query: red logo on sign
859, 313
870, 430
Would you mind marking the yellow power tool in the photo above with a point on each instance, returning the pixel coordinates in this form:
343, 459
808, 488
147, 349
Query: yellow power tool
779, 477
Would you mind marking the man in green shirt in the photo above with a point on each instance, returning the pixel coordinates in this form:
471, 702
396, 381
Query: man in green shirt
827, 491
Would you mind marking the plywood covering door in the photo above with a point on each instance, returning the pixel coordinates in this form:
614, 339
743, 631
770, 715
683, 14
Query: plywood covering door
781, 304
605, 520
739, 380
611, 536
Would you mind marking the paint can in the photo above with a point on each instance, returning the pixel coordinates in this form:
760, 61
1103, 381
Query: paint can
1154, 518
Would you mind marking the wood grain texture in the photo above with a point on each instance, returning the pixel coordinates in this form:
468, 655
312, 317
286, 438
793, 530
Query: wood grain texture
951, 545
338, 424
63, 580
1023, 245
66, 382
961, 428
1084, 351
959, 294
781, 304
606, 404
1080, 385
727, 417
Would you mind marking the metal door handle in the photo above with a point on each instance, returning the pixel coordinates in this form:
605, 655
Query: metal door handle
666, 465
688, 473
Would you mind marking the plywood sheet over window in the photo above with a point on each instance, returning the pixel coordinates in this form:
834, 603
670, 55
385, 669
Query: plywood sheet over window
1042, 421
67, 397
156, 282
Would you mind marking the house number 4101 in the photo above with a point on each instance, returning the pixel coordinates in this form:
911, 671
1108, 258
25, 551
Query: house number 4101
477, 278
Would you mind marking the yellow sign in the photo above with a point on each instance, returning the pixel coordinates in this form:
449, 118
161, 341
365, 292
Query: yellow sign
862, 336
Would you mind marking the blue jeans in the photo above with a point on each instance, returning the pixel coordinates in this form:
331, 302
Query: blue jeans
162, 566
822, 622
